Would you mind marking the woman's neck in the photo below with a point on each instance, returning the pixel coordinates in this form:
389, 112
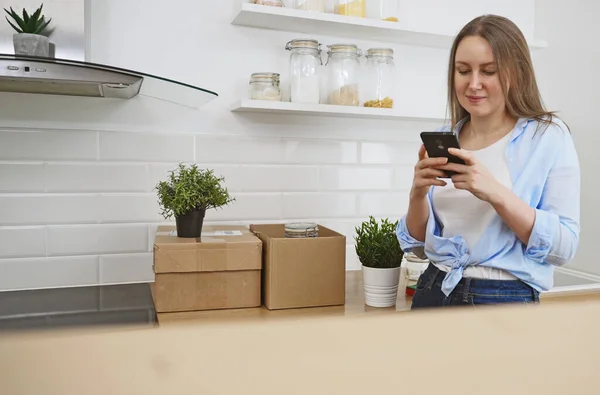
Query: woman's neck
482, 127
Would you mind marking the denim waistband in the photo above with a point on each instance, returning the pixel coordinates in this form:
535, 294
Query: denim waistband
481, 287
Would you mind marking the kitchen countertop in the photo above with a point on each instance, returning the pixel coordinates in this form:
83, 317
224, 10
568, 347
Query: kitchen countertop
97, 306
131, 305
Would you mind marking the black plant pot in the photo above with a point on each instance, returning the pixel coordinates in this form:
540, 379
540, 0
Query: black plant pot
189, 225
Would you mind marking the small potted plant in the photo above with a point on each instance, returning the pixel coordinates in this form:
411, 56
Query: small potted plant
379, 251
187, 194
29, 39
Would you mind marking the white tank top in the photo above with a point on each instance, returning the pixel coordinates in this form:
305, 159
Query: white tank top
462, 214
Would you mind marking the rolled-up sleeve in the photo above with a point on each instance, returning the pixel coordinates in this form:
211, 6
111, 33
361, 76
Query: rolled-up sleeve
555, 235
407, 242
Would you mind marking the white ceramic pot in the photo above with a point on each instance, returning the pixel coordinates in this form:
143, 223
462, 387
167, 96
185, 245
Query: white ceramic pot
31, 44
381, 286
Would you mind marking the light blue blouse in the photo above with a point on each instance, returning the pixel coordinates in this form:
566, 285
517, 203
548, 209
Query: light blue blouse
544, 169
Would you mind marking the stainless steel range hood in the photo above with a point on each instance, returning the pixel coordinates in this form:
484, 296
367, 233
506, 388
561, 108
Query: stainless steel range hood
37, 75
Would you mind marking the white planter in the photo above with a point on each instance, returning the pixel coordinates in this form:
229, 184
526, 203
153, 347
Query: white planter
31, 44
381, 286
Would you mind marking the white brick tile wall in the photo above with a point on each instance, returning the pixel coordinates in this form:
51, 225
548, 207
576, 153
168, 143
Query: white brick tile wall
247, 178
32, 273
50, 145
390, 153
403, 177
97, 239
318, 205
321, 151
126, 268
146, 147
348, 178
252, 178
96, 178
383, 204
352, 261
48, 209
128, 208
21, 178
212, 149
22, 242
248, 207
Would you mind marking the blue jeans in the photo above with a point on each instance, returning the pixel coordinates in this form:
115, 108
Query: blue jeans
470, 291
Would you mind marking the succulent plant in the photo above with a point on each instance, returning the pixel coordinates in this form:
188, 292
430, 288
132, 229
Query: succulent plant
32, 24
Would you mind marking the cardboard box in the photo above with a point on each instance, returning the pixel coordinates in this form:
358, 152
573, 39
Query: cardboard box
303, 272
221, 271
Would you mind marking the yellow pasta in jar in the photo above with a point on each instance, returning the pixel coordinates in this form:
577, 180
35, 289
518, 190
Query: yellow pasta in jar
351, 8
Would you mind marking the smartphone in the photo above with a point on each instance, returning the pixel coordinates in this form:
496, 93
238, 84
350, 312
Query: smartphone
437, 144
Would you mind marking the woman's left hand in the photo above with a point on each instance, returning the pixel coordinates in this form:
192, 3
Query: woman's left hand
473, 176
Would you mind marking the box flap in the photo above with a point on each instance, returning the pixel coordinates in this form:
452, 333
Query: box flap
227, 251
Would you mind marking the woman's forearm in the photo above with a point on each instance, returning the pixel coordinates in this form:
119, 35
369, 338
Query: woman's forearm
516, 214
417, 216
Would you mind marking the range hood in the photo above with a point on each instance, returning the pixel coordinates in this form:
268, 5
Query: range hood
39, 75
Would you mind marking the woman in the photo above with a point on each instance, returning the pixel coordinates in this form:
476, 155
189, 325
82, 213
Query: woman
494, 232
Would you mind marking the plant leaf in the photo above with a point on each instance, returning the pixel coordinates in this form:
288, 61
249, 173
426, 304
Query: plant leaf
35, 20
25, 15
16, 18
41, 28
13, 26
37, 13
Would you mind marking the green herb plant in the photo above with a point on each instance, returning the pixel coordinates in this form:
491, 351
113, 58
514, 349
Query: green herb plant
189, 188
377, 245
32, 24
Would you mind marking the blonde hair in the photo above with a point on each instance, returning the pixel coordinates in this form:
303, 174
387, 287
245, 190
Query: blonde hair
514, 65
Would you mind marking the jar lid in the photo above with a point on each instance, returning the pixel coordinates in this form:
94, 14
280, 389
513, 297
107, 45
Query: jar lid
303, 43
380, 52
301, 227
264, 77
344, 48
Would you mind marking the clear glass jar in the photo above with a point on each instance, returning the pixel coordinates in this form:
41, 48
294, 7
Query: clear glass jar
350, 8
298, 230
265, 86
378, 78
386, 10
273, 3
343, 75
305, 70
310, 5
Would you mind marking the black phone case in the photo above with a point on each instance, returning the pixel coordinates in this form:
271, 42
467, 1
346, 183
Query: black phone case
437, 144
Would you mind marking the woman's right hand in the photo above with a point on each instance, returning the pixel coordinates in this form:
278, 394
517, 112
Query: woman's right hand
426, 174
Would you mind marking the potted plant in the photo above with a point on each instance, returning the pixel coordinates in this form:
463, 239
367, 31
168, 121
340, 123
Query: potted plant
29, 39
379, 251
187, 194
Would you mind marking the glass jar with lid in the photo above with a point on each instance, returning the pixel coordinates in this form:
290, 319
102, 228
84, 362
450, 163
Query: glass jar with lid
265, 86
298, 230
305, 70
310, 5
355, 8
378, 78
343, 75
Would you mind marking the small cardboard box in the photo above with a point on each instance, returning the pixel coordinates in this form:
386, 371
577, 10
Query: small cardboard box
302, 272
221, 271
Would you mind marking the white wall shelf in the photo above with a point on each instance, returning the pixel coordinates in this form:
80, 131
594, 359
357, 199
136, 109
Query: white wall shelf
288, 19
265, 106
